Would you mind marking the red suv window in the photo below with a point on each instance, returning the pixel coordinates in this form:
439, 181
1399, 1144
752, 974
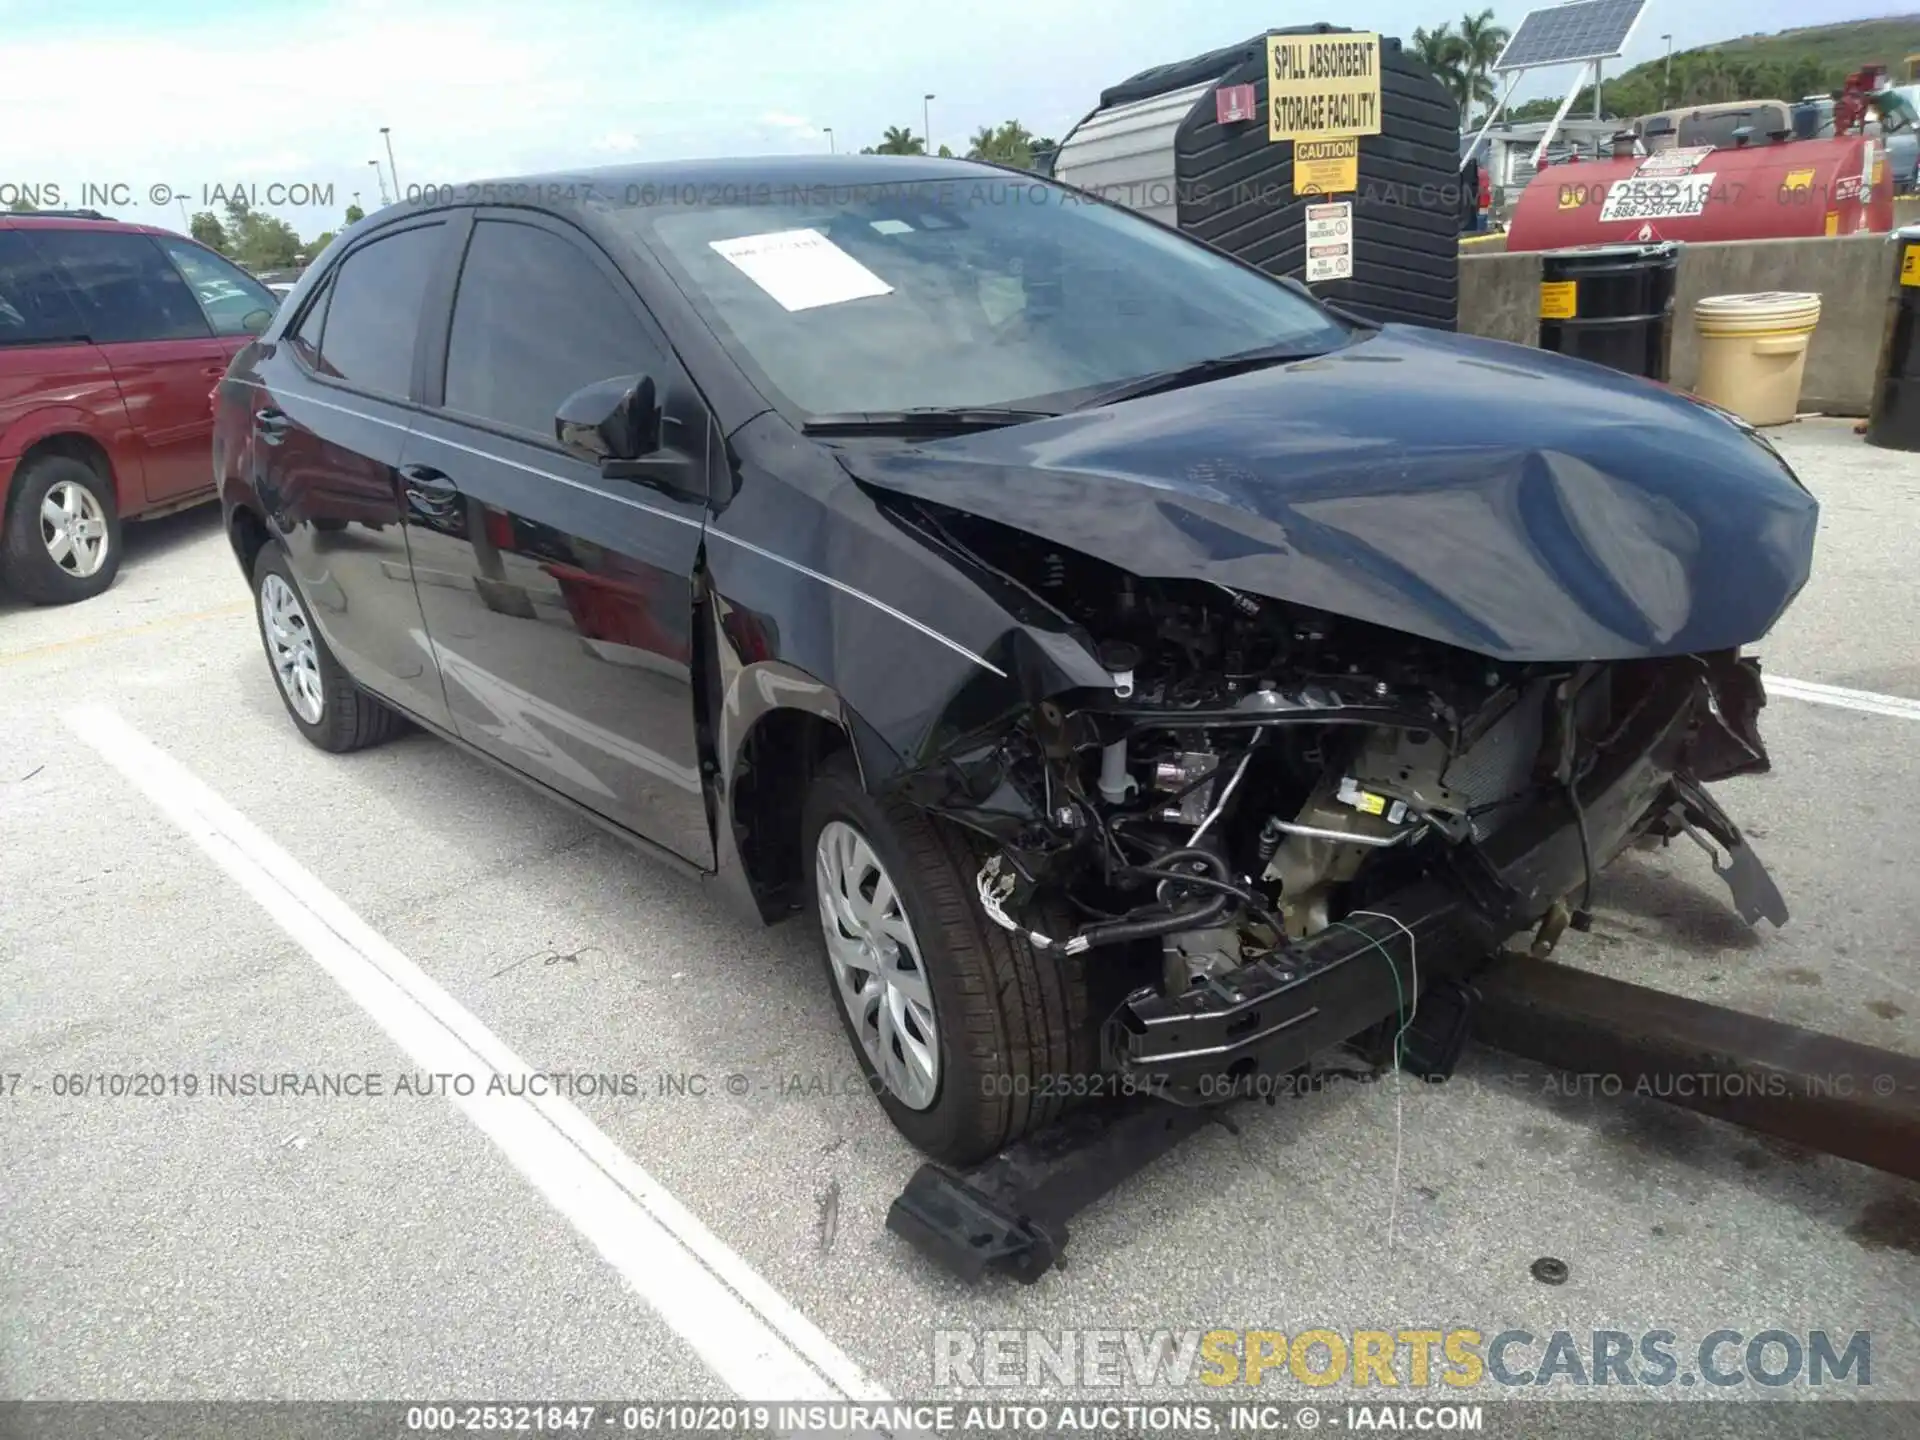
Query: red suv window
124, 286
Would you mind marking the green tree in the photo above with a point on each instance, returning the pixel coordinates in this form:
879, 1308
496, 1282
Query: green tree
900, 141
355, 214
316, 245
207, 229
22, 205
1008, 143
1439, 50
1476, 47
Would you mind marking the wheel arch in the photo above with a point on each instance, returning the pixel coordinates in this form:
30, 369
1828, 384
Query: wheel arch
775, 727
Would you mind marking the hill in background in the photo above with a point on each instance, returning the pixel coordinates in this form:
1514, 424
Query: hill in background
1782, 66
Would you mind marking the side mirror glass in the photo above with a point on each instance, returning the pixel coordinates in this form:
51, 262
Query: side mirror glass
255, 322
610, 420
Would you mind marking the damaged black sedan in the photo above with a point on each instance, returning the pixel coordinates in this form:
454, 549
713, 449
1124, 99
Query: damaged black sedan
1145, 676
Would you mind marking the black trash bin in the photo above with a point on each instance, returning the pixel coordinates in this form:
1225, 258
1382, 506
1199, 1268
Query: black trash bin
1895, 421
1611, 304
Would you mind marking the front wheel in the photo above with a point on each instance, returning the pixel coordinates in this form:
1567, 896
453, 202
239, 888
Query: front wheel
968, 1037
321, 698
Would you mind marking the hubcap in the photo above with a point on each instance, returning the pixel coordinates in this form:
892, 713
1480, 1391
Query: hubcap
877, 967
290, 646
73, 527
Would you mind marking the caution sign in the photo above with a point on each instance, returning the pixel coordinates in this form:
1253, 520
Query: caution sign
1557, 299
1321, 85
1326, 167
1330, 242
1910, 265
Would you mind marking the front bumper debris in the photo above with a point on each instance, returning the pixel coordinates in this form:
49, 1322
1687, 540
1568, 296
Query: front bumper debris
1273, 1015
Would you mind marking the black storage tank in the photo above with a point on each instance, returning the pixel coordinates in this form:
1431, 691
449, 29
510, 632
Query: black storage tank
1611, 304
1157, 143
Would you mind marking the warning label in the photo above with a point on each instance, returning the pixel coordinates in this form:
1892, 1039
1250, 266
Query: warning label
1319, 85
1330, 242
1326, 167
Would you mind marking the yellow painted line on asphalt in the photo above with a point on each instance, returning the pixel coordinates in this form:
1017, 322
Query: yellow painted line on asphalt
165, 622
1466, 240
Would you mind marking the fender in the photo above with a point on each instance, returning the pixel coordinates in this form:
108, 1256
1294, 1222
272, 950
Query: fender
111, 431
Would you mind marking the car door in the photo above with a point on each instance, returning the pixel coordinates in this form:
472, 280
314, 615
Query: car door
559, 603
164, 355
331, 409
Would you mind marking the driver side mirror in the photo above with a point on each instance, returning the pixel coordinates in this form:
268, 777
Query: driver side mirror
610, 422
255, 322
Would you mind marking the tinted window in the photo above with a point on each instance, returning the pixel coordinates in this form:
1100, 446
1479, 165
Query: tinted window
227, 294
535, 320
306, 338
374, 315
124, 287
911, 293
33, 305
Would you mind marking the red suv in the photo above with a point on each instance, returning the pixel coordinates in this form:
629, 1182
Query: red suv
112, 339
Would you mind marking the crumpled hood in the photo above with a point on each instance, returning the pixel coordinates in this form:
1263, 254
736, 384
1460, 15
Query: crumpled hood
1508, 501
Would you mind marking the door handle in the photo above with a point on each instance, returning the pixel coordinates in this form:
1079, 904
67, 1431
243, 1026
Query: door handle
270, 425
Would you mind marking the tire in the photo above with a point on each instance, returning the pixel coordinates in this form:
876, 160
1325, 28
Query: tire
1011, 1024
326, 706
28, 558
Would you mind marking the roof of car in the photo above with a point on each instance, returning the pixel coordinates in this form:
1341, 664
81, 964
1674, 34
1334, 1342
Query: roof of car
32, 220
712, 181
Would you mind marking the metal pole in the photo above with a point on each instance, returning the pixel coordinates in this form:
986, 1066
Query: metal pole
1553, 126
926, 121
390, 166
380, 177
829, 130
1512, 80
1666, 76
1596, 89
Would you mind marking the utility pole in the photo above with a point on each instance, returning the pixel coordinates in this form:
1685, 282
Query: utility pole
1596, 89
1666, 78
926, 121
380, 176
387, 135
830, 146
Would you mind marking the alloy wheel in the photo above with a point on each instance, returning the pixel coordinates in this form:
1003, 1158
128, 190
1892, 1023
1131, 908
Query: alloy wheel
877, 966
290, 645
73, 527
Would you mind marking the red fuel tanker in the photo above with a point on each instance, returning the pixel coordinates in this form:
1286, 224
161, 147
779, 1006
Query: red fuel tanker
1750, 192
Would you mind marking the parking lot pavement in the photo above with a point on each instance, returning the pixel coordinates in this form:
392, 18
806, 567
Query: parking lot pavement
393, 1246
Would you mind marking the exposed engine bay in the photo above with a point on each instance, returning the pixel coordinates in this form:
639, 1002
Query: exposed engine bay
1259, 771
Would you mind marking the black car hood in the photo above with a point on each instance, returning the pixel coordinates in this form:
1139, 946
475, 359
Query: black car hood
1508, 501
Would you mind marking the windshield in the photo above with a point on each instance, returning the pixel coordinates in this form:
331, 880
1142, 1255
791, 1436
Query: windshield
943, 293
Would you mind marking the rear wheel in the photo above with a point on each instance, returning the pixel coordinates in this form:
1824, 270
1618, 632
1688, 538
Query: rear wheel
321, 698
62, 540
967, 1035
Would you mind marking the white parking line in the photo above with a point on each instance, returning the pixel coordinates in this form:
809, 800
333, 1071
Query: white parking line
752, 1338
1868, 701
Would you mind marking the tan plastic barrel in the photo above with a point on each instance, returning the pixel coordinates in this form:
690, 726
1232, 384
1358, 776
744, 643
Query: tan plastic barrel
1753, 352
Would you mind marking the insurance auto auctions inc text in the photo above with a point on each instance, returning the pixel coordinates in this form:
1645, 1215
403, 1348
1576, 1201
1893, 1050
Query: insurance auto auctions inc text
1401, 1358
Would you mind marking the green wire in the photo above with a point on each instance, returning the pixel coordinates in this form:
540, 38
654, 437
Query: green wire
1399, 995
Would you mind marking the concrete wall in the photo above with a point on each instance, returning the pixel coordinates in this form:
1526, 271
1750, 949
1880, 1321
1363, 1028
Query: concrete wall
1500, 295
1853, 275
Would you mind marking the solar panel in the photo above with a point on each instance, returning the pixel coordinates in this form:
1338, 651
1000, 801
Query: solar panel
1584, 30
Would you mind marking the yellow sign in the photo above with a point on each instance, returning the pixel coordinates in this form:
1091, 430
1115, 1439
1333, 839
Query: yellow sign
1557, 299
1798, 180
1910, 265
1326, 167
1321, 85
1833, 222
1873, 171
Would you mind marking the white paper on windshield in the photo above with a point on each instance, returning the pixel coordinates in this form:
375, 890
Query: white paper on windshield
802, 269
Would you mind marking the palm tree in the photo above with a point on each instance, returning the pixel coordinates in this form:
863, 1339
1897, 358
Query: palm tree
1476, 48
1009, 143
900, 141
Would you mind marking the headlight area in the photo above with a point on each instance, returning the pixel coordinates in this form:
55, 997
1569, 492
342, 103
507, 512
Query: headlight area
1278, 828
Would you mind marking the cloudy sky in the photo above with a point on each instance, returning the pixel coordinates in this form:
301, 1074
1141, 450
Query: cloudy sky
159, 95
